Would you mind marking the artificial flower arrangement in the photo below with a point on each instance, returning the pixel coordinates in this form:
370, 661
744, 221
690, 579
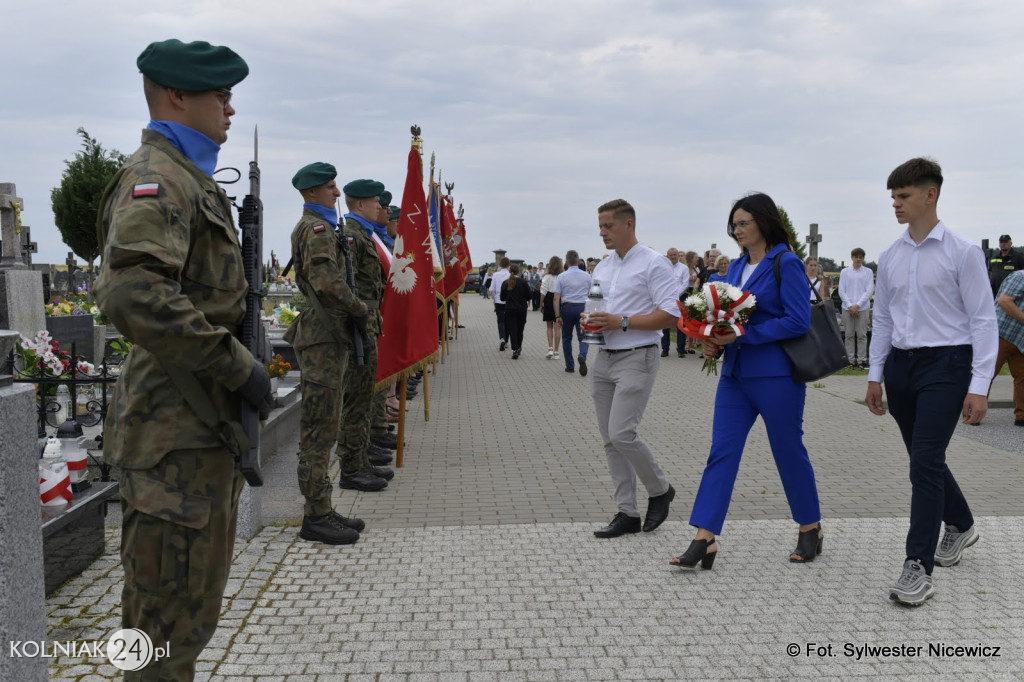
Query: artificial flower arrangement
278, 367
717, 309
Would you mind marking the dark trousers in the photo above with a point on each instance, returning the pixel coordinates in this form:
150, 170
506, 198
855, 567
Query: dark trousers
926, 389
515, 322
666, 341
499, 312
535, 299
570, 313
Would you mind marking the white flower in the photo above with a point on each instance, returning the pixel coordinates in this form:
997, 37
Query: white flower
733, 293
695, 302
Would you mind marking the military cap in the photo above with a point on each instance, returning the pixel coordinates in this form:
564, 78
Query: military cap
385, 198
314, 175
1005, 238
396, 212
363, 189
192, 67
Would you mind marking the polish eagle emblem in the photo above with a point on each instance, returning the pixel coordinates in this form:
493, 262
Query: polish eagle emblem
402, 275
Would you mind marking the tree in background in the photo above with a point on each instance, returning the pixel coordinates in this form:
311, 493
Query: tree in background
828, 265
794, 238
76, 201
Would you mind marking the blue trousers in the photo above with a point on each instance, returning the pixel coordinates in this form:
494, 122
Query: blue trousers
930, 383
780, 403
570, 313
666, 341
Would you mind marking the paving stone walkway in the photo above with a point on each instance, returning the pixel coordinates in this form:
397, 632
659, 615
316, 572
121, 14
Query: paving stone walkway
479, 563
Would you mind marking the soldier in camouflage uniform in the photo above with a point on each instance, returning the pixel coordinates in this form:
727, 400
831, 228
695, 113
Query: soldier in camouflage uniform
380, 437
369, 255
172, 282
321, 336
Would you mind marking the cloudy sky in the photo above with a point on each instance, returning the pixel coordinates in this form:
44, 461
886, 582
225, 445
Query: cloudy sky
539, 111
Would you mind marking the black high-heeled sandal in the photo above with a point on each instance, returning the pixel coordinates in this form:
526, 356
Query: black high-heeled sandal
696, 553
808, 545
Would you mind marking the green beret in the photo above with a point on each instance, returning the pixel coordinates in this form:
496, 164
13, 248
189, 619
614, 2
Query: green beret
192, 67
363, 189
396, 212
314, 175
385, 198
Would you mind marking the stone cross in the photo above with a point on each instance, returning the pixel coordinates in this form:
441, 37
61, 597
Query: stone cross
28, 247
813, 239
10, 226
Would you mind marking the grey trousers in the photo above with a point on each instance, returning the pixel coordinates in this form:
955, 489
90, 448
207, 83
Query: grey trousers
621, 384
856, 328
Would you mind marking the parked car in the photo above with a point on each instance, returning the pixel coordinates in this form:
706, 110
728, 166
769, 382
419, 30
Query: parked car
472, 282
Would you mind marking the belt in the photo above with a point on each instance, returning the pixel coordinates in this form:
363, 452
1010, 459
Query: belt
571, 303
626, 350
930, 350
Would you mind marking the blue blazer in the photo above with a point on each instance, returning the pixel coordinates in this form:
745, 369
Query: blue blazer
783, 311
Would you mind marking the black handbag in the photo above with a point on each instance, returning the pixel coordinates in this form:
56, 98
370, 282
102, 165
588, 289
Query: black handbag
821, 351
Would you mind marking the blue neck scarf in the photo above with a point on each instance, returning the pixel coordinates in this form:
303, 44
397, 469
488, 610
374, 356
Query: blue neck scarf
328, 214
373, 228
197, 147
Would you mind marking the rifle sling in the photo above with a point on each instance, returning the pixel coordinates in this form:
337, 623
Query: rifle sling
229, 431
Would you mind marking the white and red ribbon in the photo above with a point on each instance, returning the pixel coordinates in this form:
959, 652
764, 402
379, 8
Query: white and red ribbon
55, 484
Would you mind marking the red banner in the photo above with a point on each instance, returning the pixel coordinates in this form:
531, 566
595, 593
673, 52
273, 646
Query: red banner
409, 309
454, 273
463, 246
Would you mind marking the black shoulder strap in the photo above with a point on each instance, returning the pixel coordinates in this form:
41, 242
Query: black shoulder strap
778, 279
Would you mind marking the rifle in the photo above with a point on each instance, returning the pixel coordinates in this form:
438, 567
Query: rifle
350, 276
252, 335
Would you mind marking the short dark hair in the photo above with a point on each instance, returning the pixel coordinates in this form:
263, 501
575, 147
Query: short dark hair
571, 257
620, 208
857, 252
921, 172
503, 263
766, 215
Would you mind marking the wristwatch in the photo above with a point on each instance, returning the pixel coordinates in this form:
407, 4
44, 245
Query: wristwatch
625, 323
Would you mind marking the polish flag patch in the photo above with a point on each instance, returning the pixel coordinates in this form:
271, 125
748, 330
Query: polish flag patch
319, 228
148, 189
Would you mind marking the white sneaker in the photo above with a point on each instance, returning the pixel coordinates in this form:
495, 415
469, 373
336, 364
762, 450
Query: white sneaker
550, 354
555, 356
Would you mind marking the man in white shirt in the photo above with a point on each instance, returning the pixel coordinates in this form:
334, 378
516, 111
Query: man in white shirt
934, 346
640, 292
497, 280
683, 274
856, 284
571, 289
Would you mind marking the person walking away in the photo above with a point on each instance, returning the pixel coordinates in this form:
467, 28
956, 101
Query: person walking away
571, 290
547, 288
497, 280
517, 296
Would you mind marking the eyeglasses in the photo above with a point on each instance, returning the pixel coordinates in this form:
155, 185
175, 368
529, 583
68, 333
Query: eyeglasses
224, 95
741, 224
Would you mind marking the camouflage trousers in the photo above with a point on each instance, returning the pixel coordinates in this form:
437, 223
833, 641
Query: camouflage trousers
321, 382
177, 542
379, 413
356, 406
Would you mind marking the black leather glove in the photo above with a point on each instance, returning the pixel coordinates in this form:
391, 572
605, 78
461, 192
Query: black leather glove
256, 390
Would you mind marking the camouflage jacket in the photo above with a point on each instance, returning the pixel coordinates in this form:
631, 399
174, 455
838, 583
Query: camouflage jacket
320, 271
369, 272
172, 282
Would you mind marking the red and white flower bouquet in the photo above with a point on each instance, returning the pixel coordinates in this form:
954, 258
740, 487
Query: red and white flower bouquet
717, 309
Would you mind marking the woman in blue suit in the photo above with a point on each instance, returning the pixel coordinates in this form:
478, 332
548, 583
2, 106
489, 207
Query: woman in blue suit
757, 379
